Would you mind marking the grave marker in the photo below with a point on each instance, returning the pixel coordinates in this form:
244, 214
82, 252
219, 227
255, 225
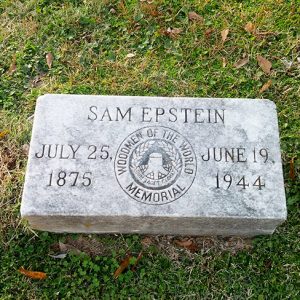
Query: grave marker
154, 165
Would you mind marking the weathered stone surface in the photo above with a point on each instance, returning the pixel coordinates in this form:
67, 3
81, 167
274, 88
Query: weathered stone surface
154, 165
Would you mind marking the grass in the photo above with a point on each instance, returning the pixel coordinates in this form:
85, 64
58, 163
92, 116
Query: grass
90, 41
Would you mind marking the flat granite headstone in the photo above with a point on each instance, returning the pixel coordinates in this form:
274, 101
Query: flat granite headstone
124, 164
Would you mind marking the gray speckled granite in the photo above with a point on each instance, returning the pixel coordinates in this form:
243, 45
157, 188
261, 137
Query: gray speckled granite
140, 164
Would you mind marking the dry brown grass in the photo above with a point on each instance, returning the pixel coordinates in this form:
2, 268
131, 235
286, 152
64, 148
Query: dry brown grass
174, 247
12, 166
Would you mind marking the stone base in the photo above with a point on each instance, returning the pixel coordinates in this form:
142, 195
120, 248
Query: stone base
155, 225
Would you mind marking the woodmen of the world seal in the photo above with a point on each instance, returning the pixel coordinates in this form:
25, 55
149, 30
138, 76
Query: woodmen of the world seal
155, 165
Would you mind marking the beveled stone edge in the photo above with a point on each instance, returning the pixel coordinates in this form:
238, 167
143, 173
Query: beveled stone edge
44, 96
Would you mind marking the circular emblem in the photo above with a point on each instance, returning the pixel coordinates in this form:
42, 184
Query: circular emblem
155, 165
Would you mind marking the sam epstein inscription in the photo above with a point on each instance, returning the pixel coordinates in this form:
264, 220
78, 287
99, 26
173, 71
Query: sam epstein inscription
158, 114
154, 165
